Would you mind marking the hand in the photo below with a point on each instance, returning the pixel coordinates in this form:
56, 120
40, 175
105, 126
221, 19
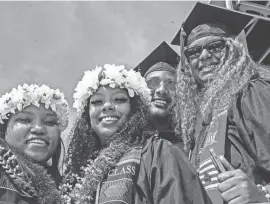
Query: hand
237, 188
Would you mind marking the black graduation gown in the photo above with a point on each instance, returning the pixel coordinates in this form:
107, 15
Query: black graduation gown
247, 134
248, 143
158, 173
170, 136
166, 176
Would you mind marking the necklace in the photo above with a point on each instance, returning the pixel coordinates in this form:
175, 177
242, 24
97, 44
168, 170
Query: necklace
82, 188
30, 178
9, 164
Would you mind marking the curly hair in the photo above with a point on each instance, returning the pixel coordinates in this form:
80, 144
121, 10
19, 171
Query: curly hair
185, 107
233, 72
86, 145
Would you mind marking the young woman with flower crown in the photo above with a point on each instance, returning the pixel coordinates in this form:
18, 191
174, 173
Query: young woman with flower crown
112, 158
31, 120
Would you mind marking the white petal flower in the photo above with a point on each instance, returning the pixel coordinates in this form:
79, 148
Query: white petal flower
112, 76
26, 94
131, 92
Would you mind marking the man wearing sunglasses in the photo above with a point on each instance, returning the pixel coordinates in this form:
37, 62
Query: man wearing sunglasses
204, 56
218, 79
161, 80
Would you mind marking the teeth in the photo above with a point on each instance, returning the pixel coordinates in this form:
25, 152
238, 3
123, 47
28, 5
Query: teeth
161, 101
206, 68
110, 118
37, 141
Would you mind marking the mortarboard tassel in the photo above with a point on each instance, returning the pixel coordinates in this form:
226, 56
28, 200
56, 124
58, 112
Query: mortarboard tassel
182, 64
182, 45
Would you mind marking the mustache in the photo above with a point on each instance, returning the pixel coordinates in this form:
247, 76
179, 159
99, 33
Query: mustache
165, 96
207, 64
167, 99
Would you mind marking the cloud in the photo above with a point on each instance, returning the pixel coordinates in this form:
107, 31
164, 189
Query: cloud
34, 32
32, 35
54, 42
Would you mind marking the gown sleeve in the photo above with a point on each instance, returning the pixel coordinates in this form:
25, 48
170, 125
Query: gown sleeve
166, 176
251, 114
9, 194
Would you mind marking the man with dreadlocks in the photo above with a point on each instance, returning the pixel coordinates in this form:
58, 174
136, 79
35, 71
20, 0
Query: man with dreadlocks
217, 77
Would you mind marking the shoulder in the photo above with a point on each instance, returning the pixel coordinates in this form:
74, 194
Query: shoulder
9, 192
256, 83
257, 90
157, 144
170, 136
252, 103
161, 152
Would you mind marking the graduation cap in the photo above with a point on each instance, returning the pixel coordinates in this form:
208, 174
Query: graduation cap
229, 21
163, 53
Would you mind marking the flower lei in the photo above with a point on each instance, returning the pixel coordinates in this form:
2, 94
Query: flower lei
82, 189
30, 178
34, 94
110, 75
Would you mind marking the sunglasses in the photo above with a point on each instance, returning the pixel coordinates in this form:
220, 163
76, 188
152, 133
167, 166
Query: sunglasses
212, 47
154, 83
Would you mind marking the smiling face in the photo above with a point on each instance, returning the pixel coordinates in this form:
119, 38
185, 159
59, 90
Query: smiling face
35, 132
162, 85
109, 108
204, 65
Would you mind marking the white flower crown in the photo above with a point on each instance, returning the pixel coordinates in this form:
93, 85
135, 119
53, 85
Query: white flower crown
110, 75
34, 94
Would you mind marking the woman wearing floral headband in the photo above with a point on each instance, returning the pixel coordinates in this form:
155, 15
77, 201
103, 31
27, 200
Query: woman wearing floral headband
111, 158
31, 120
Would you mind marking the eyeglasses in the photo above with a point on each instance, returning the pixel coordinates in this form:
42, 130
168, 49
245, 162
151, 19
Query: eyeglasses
212, 47
154, 83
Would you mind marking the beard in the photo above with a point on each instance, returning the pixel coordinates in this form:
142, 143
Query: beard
163, 118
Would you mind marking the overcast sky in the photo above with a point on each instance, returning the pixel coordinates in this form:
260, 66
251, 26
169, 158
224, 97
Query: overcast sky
54, 42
